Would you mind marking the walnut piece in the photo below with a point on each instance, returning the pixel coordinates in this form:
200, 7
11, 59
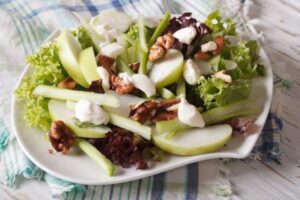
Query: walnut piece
156, 52
67, 83
135, 66
106, 62
160, 47
202, 55
96, 86
143, 112
166, 40
61, 137
168, 103
220, 42
120, 86
154, 111
164, 115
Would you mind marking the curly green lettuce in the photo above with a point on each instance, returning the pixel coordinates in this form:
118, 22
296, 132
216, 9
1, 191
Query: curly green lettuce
215, 92
220, 26
83, 37
245, 55
46, 70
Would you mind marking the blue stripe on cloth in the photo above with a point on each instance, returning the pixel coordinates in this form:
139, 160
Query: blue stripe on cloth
158, 185
138, 189
268, 145
77, 8
111, 192
118, 5
91, 7
192, 182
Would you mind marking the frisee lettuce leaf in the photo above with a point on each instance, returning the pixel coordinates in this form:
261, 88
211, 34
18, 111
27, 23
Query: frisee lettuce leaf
46, 70
246, 57
215, 92
218, 25
83, 37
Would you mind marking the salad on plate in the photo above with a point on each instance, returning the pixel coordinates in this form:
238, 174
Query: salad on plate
130, 91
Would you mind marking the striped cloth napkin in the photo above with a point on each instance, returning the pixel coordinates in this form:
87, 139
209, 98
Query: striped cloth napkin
25, 24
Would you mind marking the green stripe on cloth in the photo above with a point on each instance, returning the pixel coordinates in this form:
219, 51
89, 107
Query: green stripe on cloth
4, 135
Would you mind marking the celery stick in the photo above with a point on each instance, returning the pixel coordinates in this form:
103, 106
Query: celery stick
123, 67
213, 116
181, 87
160, 28
238, 109
143, 63
71, 105
124, 56
142, 37
74, 95
96, 155
131, 125
130, 52
135, 55
165, 93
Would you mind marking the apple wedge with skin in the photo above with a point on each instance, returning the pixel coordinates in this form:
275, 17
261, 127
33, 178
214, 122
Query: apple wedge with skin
59, 111
194, 141
88, 65
68, 52
168, 69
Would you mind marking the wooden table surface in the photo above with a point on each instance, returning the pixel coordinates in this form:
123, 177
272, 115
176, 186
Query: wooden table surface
279, 20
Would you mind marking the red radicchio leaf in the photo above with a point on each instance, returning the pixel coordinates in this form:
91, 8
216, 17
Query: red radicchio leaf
241, 126
185, 20
123, 148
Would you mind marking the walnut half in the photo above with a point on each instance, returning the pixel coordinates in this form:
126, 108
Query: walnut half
61, 137
67, 83
162, 44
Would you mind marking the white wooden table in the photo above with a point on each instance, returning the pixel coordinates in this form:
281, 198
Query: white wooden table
280, 23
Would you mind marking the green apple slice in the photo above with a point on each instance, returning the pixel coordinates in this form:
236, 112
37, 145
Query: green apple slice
75, 95
194, 141
88, 65
68, 51
96, 155
168, 69
59, 111
118, 20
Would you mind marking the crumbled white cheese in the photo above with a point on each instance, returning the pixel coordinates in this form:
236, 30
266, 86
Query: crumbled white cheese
185, 35
112, 50
188, 114
103, 44
210, 46
102, 29
144, 83
104, 76
222, 75
191, 72
108, 32
125, 77
87, 111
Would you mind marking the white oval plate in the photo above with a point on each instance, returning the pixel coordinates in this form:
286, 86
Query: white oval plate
78, 168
